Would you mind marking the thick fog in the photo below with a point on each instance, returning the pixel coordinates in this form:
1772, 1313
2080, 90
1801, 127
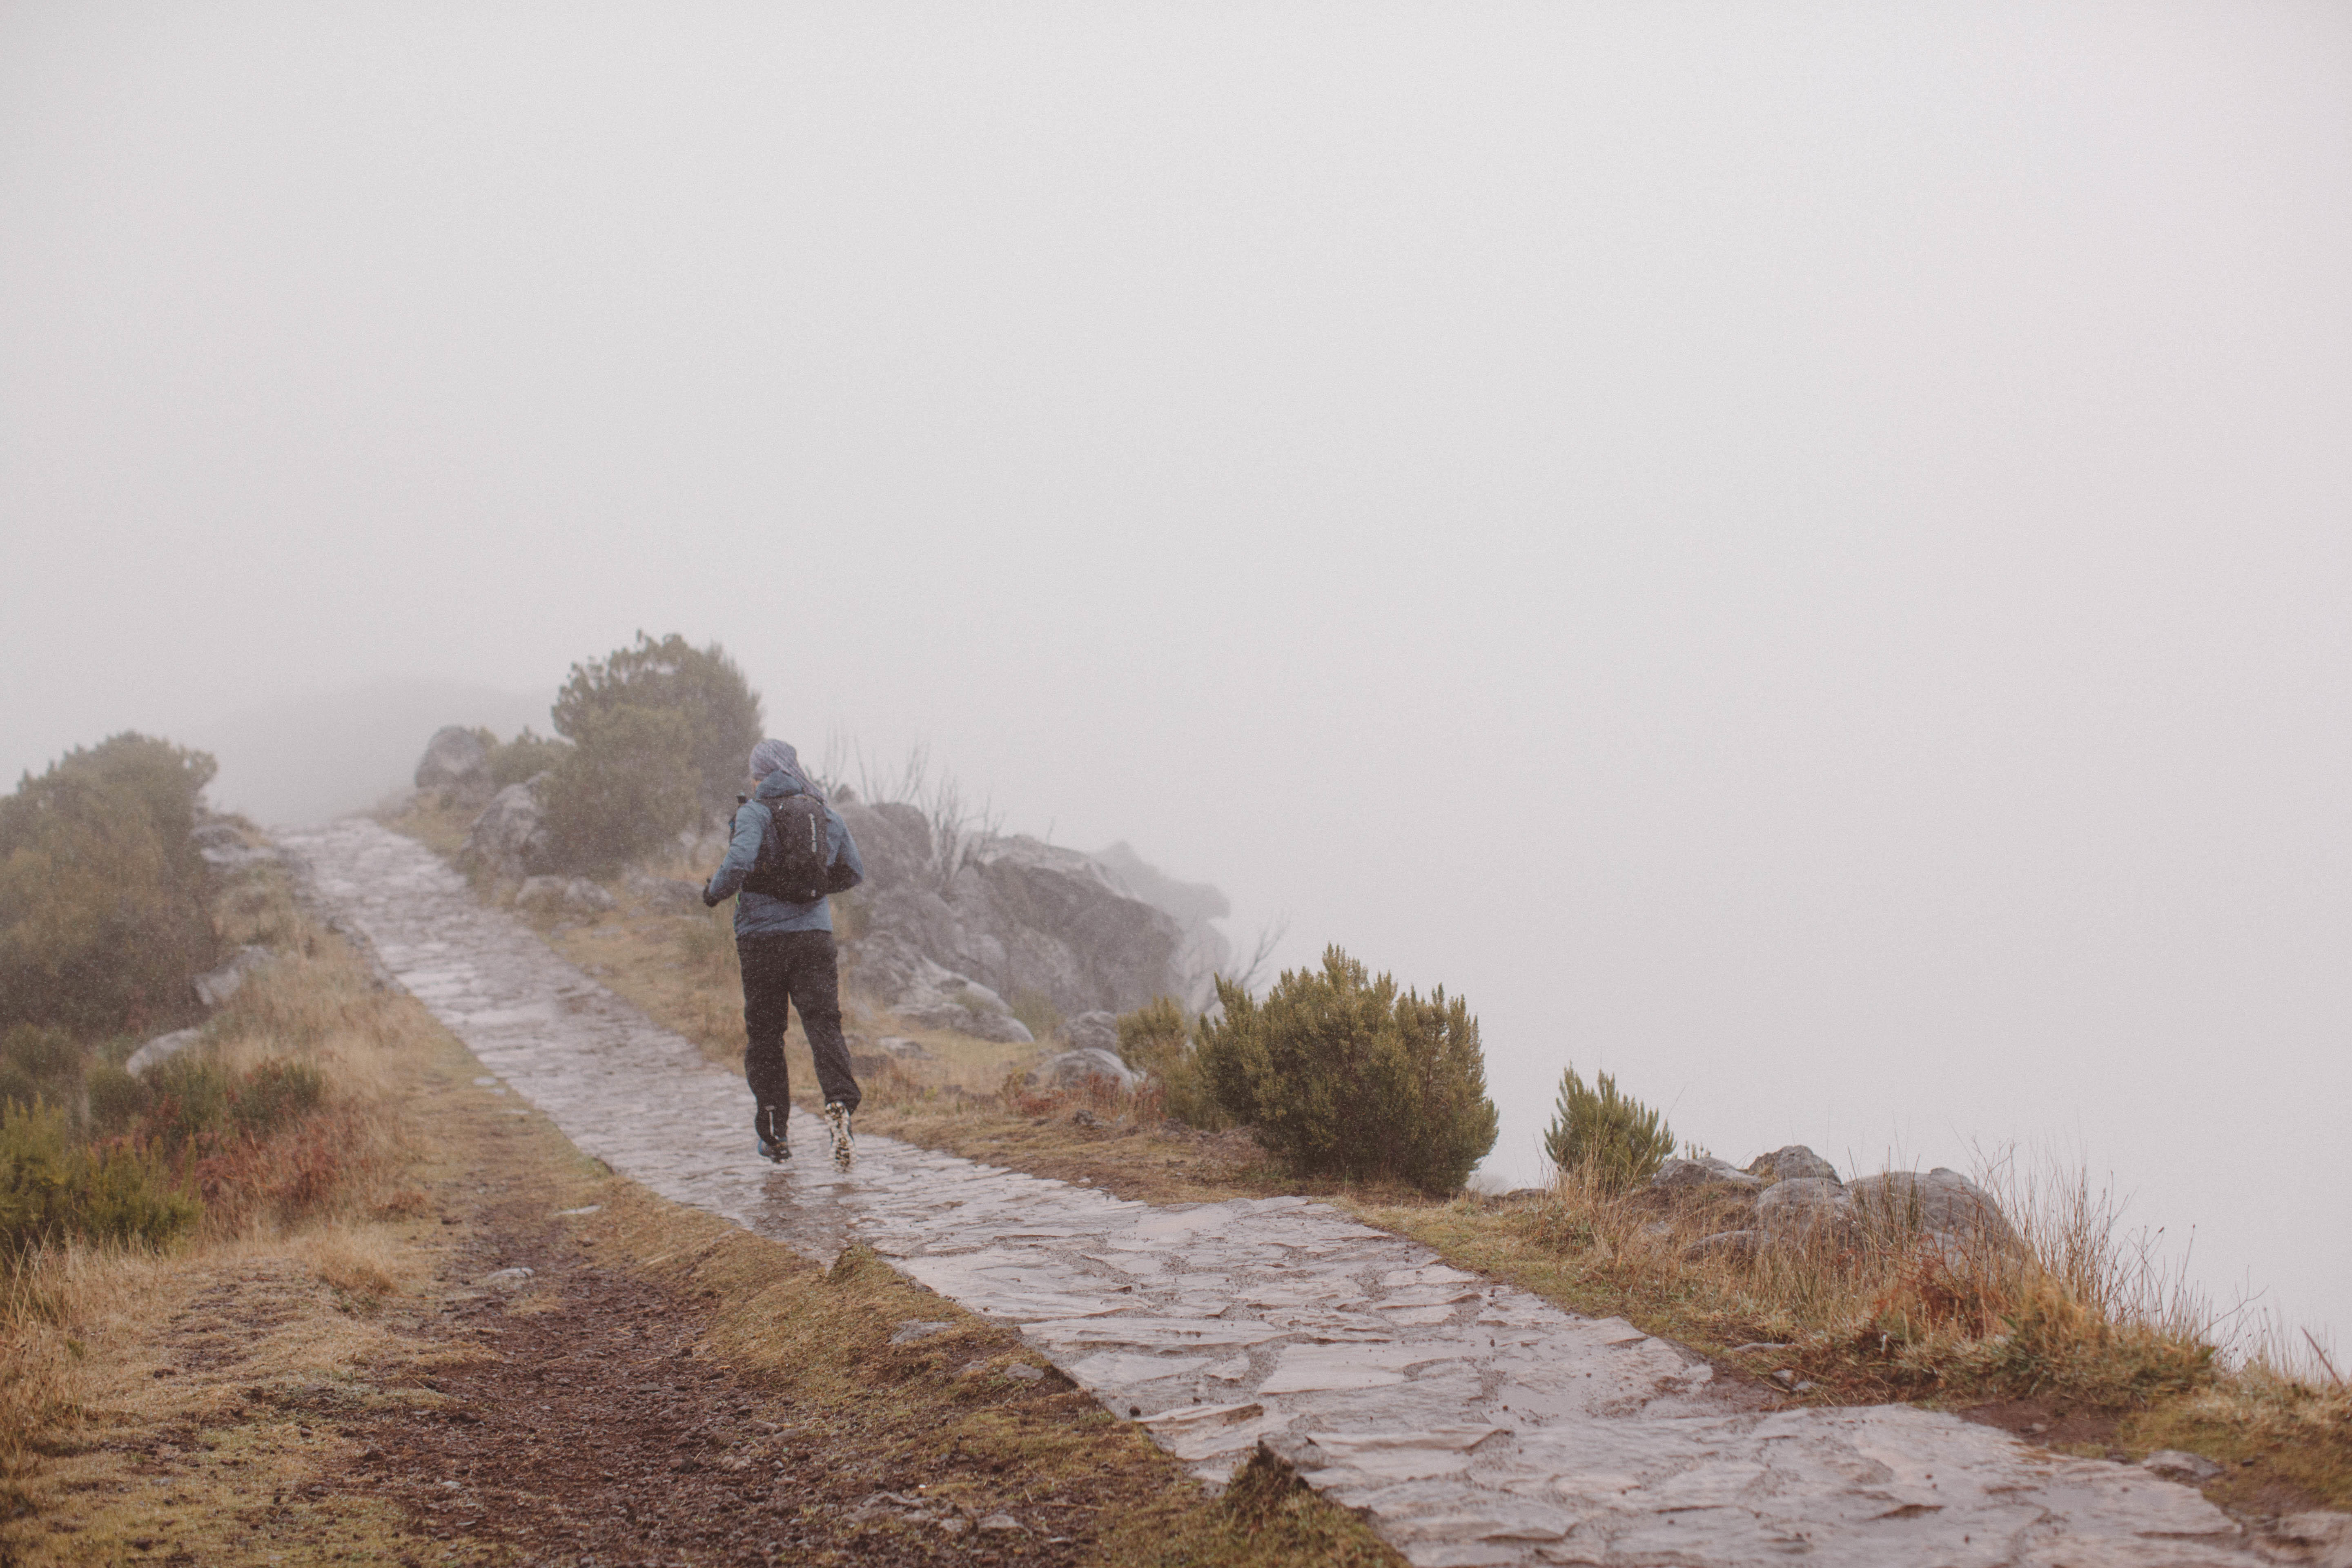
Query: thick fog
1802, 555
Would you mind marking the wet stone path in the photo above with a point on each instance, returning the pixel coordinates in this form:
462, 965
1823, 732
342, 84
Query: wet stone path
1476, 1423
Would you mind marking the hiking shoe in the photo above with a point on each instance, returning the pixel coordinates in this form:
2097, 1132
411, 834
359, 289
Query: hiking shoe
767, 1126
845, 1143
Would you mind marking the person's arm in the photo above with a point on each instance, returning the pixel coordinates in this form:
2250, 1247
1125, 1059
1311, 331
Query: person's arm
847, 869
742, 854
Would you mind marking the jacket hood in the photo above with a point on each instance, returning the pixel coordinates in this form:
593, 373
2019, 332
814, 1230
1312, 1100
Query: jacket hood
778, 784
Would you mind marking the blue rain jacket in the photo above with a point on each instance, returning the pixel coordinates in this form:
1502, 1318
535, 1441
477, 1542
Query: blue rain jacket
757, 914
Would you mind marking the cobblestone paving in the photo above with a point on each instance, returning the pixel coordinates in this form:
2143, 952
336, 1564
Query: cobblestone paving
1476, 1423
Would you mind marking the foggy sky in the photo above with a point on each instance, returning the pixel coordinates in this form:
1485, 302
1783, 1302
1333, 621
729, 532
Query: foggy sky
1841, 511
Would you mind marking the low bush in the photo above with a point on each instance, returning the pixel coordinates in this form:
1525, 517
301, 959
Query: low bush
1340, 1075
524, 758
625, 787
102, 890
54, 1189
1156, 1040
701, 689
39, 1063
1613, 1138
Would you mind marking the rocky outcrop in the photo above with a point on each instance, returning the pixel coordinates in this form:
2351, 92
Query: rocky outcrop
1804, 1209
1702, 1173
1012, 914
1093, 1031
1792, 1199
1796, 1160
563, 896
216, 986
1204, 952
665, 895
509, 841
1071, 1070
1942, 1203
457, 767
892, 970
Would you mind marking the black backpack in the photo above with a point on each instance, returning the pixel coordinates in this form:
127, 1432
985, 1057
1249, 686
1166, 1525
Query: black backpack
795, 853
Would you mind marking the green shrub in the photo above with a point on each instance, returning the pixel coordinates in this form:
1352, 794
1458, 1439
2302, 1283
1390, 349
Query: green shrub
626, 785
1340, 1075
1157, 1040
52, 1188
193, 1102
39, 1063
102, 917
702, 688
1613, 1138
524, 758
117, 1100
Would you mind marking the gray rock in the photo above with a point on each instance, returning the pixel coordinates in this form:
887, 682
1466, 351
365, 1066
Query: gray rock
918, 1329
456, 766
1003, 1524
1025, 1373
563, 895
509, 839
1693, 1175
1069, 1069
215, 835
1093, 1031
1206, 952
1943, 1202
1018, 914
231, 856
506, 1278
888, 967
215, 986
162, 1048
665, 895
2175, 1465
1803, 1208
1796, 1160
900, 1048
2321, 1538
1725, 1247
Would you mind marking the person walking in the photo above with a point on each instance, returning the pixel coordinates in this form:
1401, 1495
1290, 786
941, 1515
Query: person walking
790, 852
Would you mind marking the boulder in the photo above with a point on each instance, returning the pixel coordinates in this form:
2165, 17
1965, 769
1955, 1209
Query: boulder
2178, 1464
162, 1048
1071, 1070
1204, 952
1725, 1247
510, 840
457, 767
1796, 1160
1942, 1203
897, 1048
665, 895
563, 896
890, 969
1800, 1209
1021, 914
1706, 1173
1093, 1031
215, 986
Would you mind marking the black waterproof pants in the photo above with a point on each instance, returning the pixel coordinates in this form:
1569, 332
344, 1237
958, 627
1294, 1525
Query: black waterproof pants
792, 969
